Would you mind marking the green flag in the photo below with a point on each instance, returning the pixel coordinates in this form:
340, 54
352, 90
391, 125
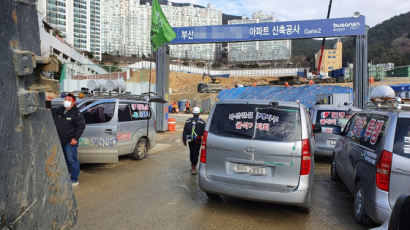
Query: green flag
62, 76
161, 30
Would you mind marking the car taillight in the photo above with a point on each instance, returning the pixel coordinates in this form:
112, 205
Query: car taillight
383, 171
306, 158
203, 147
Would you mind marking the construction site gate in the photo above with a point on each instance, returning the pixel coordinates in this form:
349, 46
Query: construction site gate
321, 28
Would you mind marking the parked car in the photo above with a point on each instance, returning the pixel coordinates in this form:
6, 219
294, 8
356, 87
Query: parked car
115, 127
399, 219
372, 158
329, 118
270, 160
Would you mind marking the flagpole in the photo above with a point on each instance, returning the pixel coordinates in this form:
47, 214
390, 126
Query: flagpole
149, 90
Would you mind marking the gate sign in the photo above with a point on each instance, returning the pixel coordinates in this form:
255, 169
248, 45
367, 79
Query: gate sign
336, 27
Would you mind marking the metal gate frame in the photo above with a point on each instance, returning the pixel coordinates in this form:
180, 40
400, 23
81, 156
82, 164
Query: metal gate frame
360, 84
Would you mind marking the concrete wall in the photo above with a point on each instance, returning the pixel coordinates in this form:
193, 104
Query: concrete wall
65, 53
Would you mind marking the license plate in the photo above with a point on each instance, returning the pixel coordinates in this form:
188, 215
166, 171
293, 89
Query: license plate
332, 142
249, 169
327, 130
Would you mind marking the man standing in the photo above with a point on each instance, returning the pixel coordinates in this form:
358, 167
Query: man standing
70, 125
193, 130
174, 107
187, 106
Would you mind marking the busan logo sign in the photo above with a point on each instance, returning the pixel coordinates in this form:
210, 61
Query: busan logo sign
346, 25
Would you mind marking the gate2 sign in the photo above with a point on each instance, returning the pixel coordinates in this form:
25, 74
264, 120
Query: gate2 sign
336, 27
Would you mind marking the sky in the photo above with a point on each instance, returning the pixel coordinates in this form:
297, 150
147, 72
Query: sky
375, 11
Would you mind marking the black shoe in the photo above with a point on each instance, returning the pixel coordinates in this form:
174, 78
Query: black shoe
193, 172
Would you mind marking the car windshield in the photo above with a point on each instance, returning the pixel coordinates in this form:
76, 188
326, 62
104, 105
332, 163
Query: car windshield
333, 117
272, 123
402, 137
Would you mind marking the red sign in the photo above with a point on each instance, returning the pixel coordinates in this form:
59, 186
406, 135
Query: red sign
123, 136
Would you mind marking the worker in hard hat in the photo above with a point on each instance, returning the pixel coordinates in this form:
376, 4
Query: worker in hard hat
187, 104
193, 130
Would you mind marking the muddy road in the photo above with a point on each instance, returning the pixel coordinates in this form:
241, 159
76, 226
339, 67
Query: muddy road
160, 193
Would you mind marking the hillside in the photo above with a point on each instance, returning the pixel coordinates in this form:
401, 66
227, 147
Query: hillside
388, 41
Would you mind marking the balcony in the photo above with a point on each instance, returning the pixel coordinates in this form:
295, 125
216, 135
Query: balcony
52, 8
52, 2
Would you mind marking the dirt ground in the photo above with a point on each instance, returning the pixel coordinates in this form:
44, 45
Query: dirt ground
160, 193
187, 83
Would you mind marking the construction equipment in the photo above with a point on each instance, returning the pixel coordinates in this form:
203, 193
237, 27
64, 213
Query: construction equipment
210, 83
323, 41
35, 186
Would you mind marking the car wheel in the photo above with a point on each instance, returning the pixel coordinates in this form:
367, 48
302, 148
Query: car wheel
333, 173
359, 206
140, 150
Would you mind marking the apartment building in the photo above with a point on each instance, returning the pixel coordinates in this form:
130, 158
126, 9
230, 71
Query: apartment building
257, 51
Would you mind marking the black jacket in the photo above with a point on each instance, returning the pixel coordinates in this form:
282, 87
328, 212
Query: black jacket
199, 129
70, 125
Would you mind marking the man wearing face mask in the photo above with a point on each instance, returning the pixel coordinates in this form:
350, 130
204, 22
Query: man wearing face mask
70, 125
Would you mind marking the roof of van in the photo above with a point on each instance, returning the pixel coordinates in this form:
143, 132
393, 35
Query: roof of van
336, 107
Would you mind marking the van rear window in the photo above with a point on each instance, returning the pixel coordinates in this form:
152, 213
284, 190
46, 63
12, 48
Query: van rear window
333, 117
402, 137
272, 123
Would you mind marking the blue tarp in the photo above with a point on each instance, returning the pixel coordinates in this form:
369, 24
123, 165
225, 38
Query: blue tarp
402, 90
401, 87
305, 94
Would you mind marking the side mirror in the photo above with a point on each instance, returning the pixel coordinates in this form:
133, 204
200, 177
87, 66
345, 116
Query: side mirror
337, 130
317, 128
401, 211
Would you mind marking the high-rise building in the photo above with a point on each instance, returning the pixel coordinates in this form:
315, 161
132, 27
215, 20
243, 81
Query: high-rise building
258, 50
331, 59
127, 26
193, 16
78, 22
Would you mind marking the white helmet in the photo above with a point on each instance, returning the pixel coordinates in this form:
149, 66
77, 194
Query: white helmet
196, 110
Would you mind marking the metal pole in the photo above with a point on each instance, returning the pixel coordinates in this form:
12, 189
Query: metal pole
162, 86
361, 82
149, 88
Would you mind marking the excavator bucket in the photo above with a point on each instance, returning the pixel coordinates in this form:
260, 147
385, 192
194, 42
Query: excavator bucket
35, 187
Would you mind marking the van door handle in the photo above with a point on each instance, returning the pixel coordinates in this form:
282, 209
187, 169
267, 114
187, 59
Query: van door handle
110, 131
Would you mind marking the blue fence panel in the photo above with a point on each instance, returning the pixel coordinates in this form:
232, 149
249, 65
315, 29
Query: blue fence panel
305, 94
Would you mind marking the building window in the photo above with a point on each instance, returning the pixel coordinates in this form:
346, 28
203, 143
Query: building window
329, 56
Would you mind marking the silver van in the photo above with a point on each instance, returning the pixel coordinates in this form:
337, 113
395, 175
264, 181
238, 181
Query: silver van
329, 118
372, 158
258, 150
115, 127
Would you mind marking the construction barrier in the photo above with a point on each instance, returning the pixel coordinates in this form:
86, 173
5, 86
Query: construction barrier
171, 124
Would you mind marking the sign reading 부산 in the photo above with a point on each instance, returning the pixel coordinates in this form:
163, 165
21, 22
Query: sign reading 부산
336, 27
